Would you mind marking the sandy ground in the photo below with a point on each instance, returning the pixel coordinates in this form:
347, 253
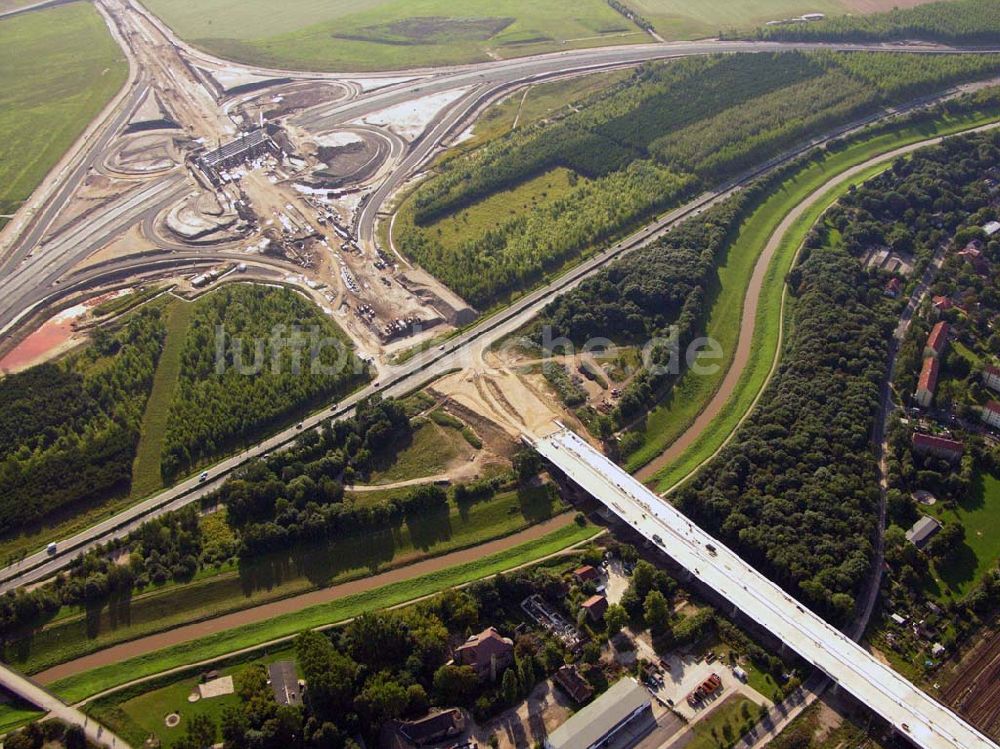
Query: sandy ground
411, 118
144, 645
502, 397
531, 721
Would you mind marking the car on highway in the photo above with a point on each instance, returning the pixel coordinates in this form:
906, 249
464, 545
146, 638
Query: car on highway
52, 548
203, 476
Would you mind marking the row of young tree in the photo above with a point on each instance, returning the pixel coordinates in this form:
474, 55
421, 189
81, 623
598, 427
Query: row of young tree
973, 22
517, 253
253, 357
69, 430
648, 141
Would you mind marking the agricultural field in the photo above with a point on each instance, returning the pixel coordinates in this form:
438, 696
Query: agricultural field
678, 19
649, 141
387, 34
60, 67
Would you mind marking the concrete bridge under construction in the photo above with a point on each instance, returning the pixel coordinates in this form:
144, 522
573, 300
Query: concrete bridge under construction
912, 712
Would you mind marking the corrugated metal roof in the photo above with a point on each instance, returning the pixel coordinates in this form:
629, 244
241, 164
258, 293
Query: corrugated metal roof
592, 723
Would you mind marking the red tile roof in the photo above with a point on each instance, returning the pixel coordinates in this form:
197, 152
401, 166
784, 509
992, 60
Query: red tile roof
894, 286
596, 606
929, 375
586, 572
938, 337
993, 406
943, 303
990, 369
930, 443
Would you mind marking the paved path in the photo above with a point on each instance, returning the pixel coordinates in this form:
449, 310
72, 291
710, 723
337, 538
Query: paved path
144, 645
748, 320
29, 691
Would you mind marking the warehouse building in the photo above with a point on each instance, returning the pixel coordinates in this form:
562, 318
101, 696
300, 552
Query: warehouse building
617, 719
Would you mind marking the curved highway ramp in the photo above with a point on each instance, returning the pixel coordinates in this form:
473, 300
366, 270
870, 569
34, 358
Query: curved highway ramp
912, 712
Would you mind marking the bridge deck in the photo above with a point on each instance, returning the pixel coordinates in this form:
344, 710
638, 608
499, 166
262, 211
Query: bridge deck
911, 711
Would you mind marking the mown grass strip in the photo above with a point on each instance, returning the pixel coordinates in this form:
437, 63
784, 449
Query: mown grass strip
667, 422
146, 477
81, 686
766, 340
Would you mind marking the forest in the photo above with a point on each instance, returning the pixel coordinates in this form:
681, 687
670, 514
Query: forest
959, 22
69, 429
271, 368
660, 291
796, 491
293, 496
645, 144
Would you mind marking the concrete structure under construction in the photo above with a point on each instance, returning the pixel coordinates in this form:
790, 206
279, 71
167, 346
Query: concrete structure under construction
911, 711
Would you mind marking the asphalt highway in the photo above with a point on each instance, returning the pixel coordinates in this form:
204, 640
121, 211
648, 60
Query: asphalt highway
394, 381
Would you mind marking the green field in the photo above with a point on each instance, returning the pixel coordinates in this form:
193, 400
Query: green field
536, 103
720, 729
386, 34
146, 477
474, 222
75, 632
669, 420
979, 512
682, 19
17, 713
432, 450
59, 68
81, 686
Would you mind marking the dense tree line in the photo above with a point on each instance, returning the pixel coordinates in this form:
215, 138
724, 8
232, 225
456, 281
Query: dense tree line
390, 665
247, 366
657, 292
953, 22
796, 491
295, 495
646, 142
68, 430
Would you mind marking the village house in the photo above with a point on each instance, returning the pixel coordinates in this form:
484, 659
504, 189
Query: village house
991, 377
595, 606
489, 653
927, 383
939, 447
991, 414
937, 340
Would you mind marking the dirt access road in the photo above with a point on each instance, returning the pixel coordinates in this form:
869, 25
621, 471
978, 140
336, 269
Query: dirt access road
748, 319
144, 645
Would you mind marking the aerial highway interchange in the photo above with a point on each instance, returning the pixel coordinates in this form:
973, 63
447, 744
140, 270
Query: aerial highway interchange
42, 256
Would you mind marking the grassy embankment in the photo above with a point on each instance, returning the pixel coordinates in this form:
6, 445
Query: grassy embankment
725, 724
433, 450
146, 476
233, 587
82, 686
387, 34
691, 394
136, 713
59, 68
